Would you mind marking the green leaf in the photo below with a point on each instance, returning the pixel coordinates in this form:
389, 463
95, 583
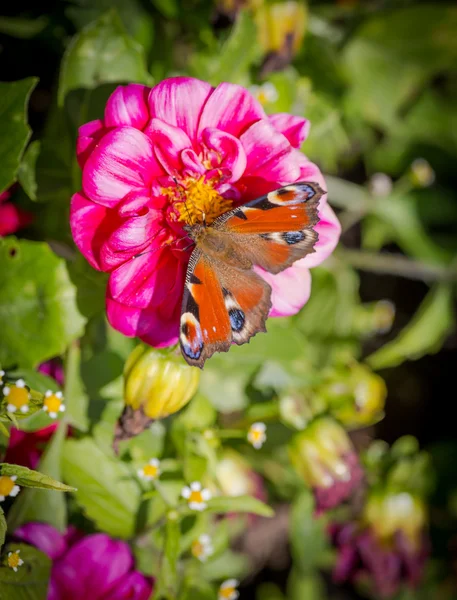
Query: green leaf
239, 504
225, 566
235, 57
424, 334
90, 285
33, 479
76, 400
37, 304
30, 582
22, 28
306, 533
168, 578
106, 490
102, 53
393, 54
26, 173
2, 527
14, 131
309, 586
44, 505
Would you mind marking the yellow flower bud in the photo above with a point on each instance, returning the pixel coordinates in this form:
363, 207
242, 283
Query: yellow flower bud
158, 381
388, 513
281, 29
355, 396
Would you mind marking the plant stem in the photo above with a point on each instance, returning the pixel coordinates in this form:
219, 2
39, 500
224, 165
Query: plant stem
396, 264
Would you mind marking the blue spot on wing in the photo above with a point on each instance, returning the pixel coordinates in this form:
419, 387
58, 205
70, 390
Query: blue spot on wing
293, 237
237, 319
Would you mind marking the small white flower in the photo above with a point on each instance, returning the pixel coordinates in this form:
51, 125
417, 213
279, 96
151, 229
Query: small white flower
2, 373
380, 184
14, 560
196, 496
7, 487
265, 93
53, 403
202, 547
151, 470
228, 590
257, 435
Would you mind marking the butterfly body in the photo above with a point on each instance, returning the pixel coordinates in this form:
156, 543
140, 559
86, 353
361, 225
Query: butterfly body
225, 301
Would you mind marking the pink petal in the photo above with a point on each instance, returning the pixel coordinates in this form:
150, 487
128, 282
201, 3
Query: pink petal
269, 154
123, 161
88, 136
92, 568
230, 108
178, 101
148, 280
13, 218
290, 289
128, 105
90, 225
153, 327
134, 586
137, 224
169, 142
4, 196
192, 165
228, 148
296, 129
44, 537
329, 230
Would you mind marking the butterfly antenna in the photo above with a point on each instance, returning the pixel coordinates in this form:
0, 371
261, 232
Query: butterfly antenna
183, 197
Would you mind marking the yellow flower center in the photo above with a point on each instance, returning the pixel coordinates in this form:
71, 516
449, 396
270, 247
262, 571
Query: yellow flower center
256, 435
13, 560
52, 403
197, 201
197, 549
226, 592
18, 396
195, 496
6, 485
150, 471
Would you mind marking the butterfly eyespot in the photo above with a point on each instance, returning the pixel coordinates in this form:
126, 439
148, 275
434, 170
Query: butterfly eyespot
191, 336
293, 237
237, 319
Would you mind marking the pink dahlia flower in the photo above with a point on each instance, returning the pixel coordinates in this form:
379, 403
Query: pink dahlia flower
94, 567
215, 148
12, 217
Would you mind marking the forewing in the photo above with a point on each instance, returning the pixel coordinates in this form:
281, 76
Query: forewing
275, 230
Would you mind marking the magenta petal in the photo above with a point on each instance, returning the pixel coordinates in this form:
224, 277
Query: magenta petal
134, 586
230, 108
45, 537
88, 136
146, 281
296, 129
122, 161
88, 227
329, 230
137, 224
269, 154
92, 568
192, 163
169, 142
151, 326
128, 105
290, 289
12, 218
229, 148
178, 101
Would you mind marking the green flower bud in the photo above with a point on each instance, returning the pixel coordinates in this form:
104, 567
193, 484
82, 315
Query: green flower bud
355, 396
324, 457
159, 382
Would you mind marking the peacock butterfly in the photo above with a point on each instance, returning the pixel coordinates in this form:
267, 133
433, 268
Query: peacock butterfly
225, 301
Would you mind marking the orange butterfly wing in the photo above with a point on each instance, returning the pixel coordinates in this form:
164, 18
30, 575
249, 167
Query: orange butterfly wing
224, 300
277, 229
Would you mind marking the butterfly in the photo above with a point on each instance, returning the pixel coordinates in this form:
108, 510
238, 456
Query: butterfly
225, 301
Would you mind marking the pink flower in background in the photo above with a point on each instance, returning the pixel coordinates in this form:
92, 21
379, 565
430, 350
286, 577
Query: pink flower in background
222, 150
53, 368
26, 447
94, 567
12, 218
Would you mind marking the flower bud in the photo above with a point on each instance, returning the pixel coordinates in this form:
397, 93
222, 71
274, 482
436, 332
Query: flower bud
421, 174
374, 318
281, 27
355, 396
157, 383
323, 455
